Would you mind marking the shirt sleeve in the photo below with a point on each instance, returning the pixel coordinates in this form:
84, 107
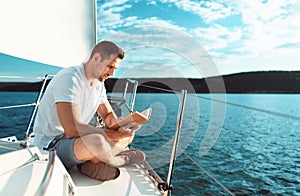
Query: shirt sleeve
66, 89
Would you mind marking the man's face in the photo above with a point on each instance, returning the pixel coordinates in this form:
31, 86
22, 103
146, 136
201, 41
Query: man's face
110, 65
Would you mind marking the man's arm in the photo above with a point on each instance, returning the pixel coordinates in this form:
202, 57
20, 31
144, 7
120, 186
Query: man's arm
106, 113
68, 114
109, 117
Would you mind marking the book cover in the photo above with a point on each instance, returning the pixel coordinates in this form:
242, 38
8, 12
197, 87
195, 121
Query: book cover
139, 117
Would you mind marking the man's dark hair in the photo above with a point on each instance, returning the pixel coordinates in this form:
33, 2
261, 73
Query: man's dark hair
106, 49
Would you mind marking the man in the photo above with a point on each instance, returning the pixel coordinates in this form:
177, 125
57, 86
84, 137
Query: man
69, 103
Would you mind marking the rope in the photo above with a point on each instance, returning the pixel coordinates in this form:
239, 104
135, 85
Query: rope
17, 106
199, 166
207, 173
158, 88
233, 104
252, 108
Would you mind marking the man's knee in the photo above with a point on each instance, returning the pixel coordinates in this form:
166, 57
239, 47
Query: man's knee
92, 147
97, 140
96, 143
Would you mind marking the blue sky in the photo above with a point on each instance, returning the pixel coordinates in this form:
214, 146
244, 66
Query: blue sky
187, 38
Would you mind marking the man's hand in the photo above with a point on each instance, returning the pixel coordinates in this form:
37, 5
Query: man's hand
131, 127
116, 135
123, 136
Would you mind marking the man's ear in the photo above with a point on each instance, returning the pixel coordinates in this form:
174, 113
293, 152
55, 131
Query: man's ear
97, 57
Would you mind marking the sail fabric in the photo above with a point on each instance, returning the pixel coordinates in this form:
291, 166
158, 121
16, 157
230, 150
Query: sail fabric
54, 32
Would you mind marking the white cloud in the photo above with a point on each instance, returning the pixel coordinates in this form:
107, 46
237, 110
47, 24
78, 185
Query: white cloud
151, 3
208, 11
266, 29
110, 13
216, 36
113, 3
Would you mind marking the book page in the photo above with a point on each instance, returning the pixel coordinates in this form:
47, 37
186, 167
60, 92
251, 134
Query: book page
147, 113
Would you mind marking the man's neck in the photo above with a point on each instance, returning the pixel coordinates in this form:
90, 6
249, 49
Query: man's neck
88, 75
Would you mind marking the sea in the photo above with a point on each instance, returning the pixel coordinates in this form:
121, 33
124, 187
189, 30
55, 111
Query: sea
241, 144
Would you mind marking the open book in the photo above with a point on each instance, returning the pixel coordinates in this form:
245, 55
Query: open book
139, 117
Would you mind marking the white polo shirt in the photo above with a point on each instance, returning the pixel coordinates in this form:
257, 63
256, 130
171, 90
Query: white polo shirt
69, 85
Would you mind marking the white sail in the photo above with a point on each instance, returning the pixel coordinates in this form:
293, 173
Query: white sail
55, 32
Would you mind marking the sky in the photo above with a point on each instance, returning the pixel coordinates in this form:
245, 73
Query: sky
195, 39
166, 38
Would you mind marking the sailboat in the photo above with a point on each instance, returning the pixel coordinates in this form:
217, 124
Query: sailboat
57, 32
38, 172
62, 33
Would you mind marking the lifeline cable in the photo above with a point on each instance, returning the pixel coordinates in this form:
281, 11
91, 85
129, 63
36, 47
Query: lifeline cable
233, 104
201, 167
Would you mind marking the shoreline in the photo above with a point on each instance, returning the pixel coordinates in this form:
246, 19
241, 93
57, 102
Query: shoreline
248, 82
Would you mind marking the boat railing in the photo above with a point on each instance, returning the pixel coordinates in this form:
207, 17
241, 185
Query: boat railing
44, 80
48, 174
26, 138
115, 101
168, 186
118, 101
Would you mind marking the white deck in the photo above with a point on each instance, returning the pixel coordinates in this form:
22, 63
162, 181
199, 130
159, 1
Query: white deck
20, 174
132, 181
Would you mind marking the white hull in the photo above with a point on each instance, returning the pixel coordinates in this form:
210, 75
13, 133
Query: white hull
22, 172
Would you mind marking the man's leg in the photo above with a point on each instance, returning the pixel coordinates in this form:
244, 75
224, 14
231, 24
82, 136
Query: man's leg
100, 161
96, 148
120, 144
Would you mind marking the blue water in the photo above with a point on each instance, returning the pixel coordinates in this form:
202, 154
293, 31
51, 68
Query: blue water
254, 153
